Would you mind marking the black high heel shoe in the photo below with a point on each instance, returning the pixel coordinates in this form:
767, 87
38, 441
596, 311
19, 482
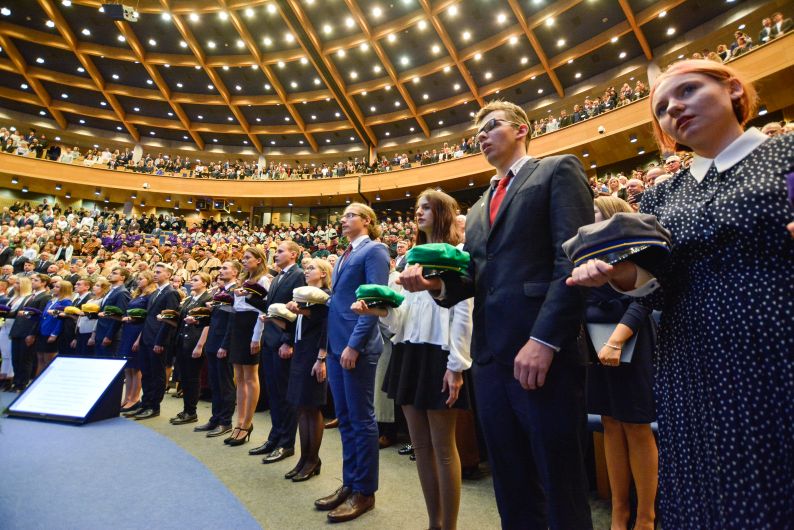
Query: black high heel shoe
232, 436
134, 406
234, 442
306, 475
294, 471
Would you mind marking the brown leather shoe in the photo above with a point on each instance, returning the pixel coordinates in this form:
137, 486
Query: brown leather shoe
335, 499
332, 424
355, 505
385, 441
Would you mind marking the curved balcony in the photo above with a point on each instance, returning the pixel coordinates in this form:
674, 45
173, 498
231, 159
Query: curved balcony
769, 67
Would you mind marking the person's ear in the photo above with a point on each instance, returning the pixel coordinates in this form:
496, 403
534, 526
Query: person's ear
735, 89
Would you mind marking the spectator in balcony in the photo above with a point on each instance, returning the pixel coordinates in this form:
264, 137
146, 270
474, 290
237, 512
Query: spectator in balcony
781, 25
772, 129
723, 52
766, 30
742, 46
672, 164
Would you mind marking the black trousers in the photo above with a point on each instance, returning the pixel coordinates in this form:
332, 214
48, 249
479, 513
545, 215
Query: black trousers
535, 440
224, 396
83, 349
22, 357
152, 376
189, 377
275, 372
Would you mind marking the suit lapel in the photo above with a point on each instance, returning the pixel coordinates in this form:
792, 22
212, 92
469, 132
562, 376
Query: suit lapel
344, 265
518, 181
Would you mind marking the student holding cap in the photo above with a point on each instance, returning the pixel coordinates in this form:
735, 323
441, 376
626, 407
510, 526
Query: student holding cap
131, 326
430, 356
725, 383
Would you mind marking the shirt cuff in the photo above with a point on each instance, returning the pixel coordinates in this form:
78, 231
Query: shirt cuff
443, 294
644, 285
552, 346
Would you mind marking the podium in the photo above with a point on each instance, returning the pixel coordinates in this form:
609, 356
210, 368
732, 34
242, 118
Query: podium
75, 390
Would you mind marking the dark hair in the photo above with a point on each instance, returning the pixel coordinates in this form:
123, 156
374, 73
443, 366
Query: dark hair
445, 210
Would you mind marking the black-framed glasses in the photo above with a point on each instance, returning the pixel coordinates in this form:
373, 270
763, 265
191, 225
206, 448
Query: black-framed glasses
493, 123
350, 215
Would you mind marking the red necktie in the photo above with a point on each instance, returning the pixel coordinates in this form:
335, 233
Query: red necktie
345, 255
499, 195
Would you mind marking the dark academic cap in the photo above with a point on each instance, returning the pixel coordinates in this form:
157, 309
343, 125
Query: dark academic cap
636, 237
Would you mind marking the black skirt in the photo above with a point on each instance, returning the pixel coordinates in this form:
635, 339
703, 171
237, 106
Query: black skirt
240, 344
416, 374
623, 392
43, 346
303, 389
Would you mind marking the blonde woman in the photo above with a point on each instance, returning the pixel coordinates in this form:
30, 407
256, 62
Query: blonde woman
130, 331
51, 325
22, 291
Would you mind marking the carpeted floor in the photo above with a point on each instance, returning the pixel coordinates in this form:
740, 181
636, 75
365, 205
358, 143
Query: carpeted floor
109, 474
273, 502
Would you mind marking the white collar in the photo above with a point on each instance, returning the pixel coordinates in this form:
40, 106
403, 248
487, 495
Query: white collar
287, 268
737, 151
515, 168
359, 240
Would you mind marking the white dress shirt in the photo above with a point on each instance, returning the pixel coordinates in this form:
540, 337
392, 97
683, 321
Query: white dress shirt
240, 304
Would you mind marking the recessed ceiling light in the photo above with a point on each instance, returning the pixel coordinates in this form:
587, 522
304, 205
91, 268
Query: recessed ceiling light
425, 96
103, 103
152, 42
466, 35
151, 133
396, 103
353, 75
149, 82
238, 87
456, 86
337, 114
488, 75
183, 44
240, 43
411, 129
441, 122
540, 91
422, 25
341, 53
81, 69
377, 11
289, 37
670, 31
210, 87
23, 86
281, 64
165, 16
388, 87
372, 109
179, 85
267, 86
327, 29
622, 55
613, 40
200, 117
66, 3
50, 24
42, 113
137, 109
376, 68
82, 122
477, 56
524, 60
267, 41
184, 137
392, 37
317, 81
550, 21
349, 22
404, 60
300, 142
86, 32
39, 60
578, 75
314, 117
194, 17
229, 118
170, 113
453, 10
223, 15
513, 40
662, 13
560, 43
328, 140
115, 76
210, 44
271, 8
388, 133
294, 84
286, 118
215, 140
304, 60
501, 18
65, 95
435, 49
364, 47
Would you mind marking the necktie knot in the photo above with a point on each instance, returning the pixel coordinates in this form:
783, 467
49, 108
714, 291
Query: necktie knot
499, 195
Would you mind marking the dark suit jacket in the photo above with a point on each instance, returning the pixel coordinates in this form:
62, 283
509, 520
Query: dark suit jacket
6, 255
19, 264
220, 333
188, 334
24, 326
156, 332
518, 268
110, 327
280, 293
42, 266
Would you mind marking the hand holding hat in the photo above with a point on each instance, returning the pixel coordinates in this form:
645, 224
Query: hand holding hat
436, 258
281, 311
309, 295
376, 295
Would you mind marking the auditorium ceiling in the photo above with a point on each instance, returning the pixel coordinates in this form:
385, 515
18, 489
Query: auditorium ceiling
311, 74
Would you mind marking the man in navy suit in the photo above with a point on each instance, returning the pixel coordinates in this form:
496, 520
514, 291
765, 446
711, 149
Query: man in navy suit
155, 336
529, 377
275, 358
107, 329
219, 369
354, 345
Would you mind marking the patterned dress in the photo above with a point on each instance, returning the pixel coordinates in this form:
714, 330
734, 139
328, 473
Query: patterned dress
725, 381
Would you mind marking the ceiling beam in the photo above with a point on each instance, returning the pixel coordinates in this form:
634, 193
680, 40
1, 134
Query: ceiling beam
216, 79
314, 50
21, 68
283, 98
137, 48
451, 50
355, 10
535, 43
93, 72
646, 48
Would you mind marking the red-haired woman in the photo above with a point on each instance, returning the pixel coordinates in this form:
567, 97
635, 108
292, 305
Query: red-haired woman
725, 379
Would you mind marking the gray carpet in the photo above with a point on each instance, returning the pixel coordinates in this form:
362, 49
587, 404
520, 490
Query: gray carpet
273, 502
109, 474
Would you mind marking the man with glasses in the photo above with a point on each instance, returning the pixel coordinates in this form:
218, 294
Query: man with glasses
528, 375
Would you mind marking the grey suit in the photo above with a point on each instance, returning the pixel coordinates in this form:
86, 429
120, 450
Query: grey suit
517, 278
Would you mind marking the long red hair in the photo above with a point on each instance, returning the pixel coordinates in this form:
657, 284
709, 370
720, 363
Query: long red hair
744, 108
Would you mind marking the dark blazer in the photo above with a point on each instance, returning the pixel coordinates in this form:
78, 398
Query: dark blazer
189, 334
42, 266
19, 264
281, 293
369, 263
110, 327
6, 255
156, 332
518, 268
24, 326
219, 336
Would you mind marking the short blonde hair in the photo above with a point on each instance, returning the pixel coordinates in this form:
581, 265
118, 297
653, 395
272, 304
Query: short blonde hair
512, 112
325, 267
609, 206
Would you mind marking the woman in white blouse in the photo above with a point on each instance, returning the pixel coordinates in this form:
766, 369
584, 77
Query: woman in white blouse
245, 345
425, 376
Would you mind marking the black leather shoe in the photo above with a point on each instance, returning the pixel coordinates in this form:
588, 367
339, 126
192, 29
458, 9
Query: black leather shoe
132, 413
220, 430
146, 414
407, 449
183, 418
264, 449
335, 499
309, 473
205, 427
134, 406
295, 470
278, 454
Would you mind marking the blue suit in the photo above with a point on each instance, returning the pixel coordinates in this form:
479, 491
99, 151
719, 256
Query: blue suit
110, 327
354, 390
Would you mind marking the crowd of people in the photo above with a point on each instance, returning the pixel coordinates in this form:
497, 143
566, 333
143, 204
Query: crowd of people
277, 307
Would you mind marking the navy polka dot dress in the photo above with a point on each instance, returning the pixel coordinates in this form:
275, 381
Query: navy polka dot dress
725, 381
